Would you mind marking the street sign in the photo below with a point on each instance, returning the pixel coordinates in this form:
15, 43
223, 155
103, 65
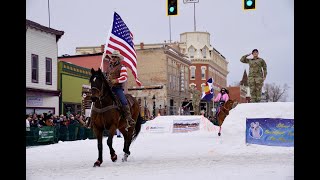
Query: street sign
190, 1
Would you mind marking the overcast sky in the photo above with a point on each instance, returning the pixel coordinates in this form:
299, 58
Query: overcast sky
234, 32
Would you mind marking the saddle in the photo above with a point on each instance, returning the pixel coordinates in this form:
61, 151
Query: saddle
130, 101
225, 111
129, 98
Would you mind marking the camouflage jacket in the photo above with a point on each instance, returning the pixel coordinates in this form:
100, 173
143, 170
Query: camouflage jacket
257, 67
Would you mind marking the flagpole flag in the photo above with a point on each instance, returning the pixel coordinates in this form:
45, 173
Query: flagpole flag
208, 92
120, 38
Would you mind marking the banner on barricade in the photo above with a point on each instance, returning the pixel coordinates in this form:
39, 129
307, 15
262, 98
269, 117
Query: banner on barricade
156, 128
185, 125
46, 134
270, 131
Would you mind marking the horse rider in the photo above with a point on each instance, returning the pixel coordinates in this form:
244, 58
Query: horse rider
221, 98
117, 74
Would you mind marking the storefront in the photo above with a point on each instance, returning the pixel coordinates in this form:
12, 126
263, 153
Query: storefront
40, 101
71, 78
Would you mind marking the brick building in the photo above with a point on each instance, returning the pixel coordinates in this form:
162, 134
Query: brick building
241, 92
84, 60
194, 47
163, 71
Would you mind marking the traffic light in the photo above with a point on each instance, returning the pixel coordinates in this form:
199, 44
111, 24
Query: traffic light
172, 7
249, 4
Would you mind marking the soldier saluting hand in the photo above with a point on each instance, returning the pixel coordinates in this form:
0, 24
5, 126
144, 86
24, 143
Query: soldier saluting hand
257, 74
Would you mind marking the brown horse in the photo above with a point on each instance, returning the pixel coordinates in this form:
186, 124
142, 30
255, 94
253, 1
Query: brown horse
106, 114
223, 113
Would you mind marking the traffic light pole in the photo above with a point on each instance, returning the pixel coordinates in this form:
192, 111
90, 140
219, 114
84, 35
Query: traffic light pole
169, 29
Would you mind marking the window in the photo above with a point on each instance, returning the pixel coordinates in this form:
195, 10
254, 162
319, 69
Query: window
170, 81
203, 72
191, 52
204, 52
34, 68
173, 83
49, 71
193, 72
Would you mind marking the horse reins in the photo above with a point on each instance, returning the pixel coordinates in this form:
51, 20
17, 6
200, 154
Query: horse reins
226, 109
107, 108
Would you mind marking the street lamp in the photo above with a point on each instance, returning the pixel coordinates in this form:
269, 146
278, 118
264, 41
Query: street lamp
154, 106
145, 108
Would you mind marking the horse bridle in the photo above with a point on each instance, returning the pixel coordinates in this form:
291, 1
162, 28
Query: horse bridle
101, 97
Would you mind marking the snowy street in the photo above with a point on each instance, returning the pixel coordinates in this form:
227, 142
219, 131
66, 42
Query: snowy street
194, 155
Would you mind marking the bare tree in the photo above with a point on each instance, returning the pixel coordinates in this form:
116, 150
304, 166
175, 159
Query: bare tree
275, 93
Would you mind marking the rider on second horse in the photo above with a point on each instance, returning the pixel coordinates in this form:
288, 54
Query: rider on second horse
117, 75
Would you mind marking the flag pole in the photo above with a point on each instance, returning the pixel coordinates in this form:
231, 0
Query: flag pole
104, 55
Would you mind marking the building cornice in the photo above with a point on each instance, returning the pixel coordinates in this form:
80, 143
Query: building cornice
78, 71
44, 91
176, 54
40, 27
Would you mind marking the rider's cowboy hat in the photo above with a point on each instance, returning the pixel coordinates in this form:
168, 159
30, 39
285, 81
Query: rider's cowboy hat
116, 53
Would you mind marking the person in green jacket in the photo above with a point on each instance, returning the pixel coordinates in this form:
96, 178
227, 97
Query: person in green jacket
257, 74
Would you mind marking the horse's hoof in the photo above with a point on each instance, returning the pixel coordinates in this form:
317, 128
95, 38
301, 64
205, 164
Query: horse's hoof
125, 157
219, 134
114, 158
97, 163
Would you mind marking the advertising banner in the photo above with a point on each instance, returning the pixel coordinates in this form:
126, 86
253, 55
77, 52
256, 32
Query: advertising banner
185, 125
270, 131
46, 134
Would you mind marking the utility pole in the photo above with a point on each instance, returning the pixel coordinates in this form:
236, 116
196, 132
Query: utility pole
49, 12
194, 12
194, 17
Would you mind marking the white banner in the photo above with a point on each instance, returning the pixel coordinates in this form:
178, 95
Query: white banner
156, 127
34, 101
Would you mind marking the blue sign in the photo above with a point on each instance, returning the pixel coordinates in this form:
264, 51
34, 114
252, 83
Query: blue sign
270, 131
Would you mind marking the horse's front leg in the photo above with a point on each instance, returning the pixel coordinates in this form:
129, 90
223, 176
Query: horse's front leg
113, 154
127, 142
99, 135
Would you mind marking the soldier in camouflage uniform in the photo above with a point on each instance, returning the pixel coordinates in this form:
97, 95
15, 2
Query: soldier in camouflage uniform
257, 74
196, 98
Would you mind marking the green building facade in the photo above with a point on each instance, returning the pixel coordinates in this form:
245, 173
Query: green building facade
71, 78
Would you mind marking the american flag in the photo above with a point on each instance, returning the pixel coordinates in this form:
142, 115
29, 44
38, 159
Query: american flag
120, 38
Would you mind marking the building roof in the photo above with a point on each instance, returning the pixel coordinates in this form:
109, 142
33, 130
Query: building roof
44, 28
80, 55
84, 60
244, 80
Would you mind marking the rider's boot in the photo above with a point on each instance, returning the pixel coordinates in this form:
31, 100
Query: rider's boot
128, 116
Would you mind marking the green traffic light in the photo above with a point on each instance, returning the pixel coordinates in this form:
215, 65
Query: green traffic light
249, 3
171, 9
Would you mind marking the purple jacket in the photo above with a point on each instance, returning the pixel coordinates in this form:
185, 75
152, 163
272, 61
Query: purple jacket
225, 97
